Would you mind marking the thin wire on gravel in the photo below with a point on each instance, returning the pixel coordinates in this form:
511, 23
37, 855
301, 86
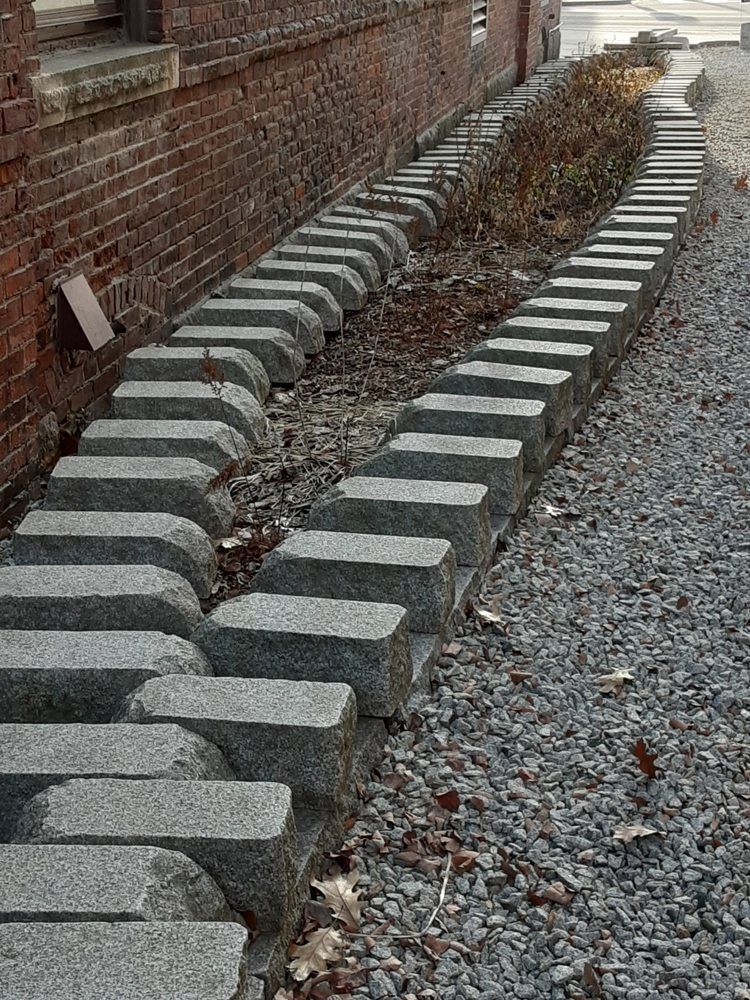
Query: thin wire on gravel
633, 557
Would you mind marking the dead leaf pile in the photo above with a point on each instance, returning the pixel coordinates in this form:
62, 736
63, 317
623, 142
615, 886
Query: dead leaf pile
321, 944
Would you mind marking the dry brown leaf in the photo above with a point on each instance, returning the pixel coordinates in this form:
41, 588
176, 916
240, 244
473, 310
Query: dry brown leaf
645, 759
437, 945
613, 683
591, 979
463, 861
340, 896
321, 948
628, 833
448, 800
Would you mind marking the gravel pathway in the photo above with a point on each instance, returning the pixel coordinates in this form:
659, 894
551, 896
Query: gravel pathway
634, 558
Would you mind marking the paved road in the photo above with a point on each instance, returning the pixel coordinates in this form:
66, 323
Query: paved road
589, 23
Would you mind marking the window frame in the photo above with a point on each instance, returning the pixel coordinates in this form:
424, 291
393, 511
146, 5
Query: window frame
480, 13
92, 18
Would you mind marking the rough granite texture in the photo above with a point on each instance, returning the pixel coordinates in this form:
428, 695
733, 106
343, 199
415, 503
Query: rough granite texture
481, 415
417, 573
310, 638
33, 757
341, 280
159, 363
360, 261
68, 676
495, 463
458, 512
319, 236
289, 315
296, 732
282, 358
232, 404
482, 378
73, 882
95, 537
209, 442
125, 597
314, 296
176, 485
126, 961
242, 833
590, 333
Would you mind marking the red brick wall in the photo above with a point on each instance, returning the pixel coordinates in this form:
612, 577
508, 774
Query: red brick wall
278, 112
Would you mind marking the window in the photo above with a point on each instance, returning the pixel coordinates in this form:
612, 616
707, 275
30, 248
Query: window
478, 20
57, 19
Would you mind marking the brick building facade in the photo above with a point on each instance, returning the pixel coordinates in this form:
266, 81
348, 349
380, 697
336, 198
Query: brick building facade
159, 168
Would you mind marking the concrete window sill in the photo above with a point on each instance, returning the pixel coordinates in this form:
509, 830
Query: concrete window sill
80, 82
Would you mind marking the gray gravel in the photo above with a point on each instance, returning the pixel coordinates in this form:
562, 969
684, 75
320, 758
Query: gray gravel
634, 556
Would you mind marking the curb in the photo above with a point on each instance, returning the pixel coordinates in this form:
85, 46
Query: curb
360, 603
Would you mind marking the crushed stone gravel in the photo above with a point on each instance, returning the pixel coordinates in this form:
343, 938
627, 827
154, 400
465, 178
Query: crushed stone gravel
634, 558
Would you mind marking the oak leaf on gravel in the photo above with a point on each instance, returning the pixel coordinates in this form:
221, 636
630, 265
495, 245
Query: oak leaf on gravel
321, 948
629, 833
342, 899
613, 683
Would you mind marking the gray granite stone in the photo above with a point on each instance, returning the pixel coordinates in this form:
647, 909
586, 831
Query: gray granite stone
417, 573
72, 882
341, 281
283, 360
407, 222
632, 251
389, 232
360, 261
233, 405
573, 358
634, 293
483, 378
629, 235
592, 333
76, 537
184, 364
434, 201
642, 222
320, 236
295, 732
308, 638
209, 442
122, 598
125, 960
33, 757
496, 463
394, 202
179, 486
289, 315
458, 512
65, 676
242, 833
314, 296
611, 268
479, 416
616, 315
